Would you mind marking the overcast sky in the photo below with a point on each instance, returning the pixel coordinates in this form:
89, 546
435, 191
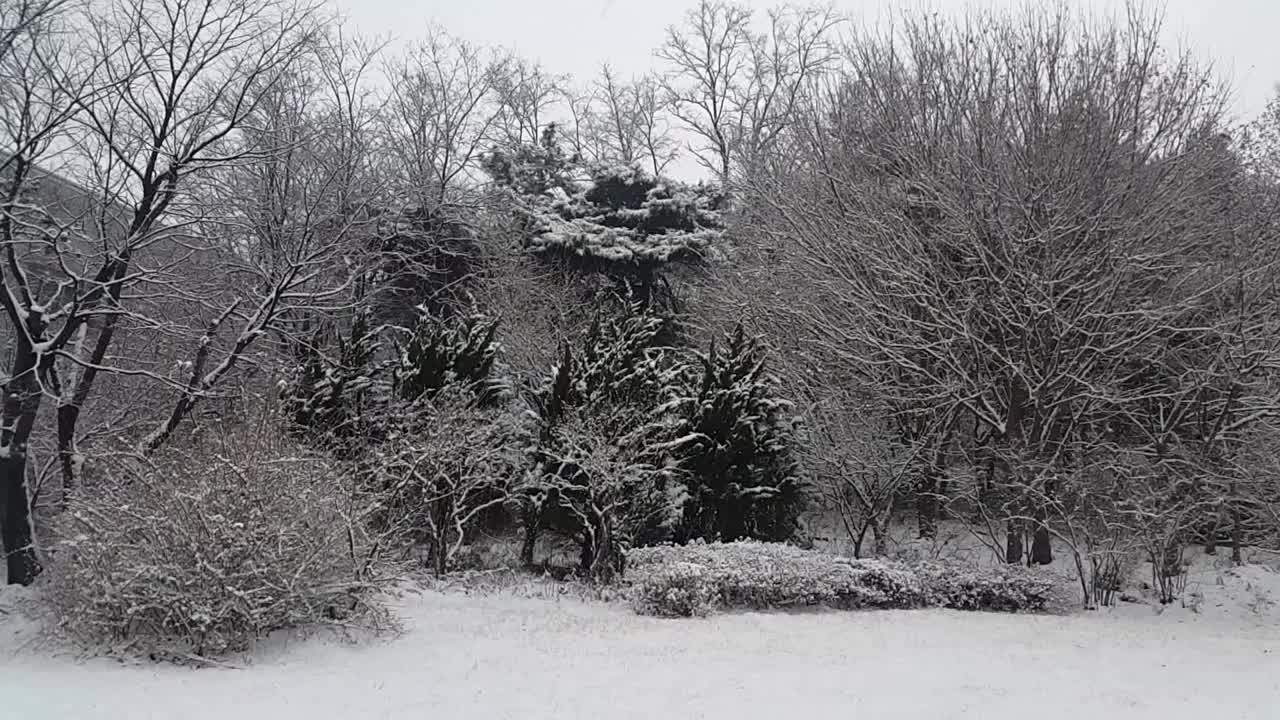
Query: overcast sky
1242, 37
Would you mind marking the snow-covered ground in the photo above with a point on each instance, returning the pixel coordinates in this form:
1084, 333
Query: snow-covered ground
501, 656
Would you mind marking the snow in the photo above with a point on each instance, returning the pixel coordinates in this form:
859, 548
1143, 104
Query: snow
499, 656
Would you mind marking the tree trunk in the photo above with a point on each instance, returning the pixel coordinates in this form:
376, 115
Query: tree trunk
530, 520
68, 416
927, 508
22, 397
439, 557
587, 555
857, 541
1013, 543
442, 512
1237, 533
604, 563
1041, 546
879, 534
1211, 540
1014, 551
15, 522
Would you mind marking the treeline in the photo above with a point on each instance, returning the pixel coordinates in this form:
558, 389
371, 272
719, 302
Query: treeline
1011, 271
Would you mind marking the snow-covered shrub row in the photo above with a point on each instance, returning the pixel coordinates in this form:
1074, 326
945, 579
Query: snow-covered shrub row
204, 548
681, 589
696, 579
1007, 588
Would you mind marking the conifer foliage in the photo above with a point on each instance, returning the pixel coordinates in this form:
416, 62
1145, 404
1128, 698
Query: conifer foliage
333, 380
728, 434
640, 443
614, 220
591, 481
347, 386
438, 353
628, 225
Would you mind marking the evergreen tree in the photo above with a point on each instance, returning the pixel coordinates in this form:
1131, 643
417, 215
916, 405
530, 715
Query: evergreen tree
727, 432
630, 227
591, 481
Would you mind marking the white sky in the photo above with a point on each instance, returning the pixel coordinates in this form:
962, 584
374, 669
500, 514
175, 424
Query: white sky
1240, 37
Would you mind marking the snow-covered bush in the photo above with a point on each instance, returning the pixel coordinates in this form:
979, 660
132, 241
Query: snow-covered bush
446, 465
335, 380
437, 353
761, 576
203, 548
596, 492
351, 389
590, 477
1004, 587
681, 589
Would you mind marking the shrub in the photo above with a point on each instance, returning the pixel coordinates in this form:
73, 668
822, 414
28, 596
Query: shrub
760, 576
1008, 588
334, 382
590, 489
671, 581
349, 389
591, 480
447, 463
682, 589
439, 353
203, 549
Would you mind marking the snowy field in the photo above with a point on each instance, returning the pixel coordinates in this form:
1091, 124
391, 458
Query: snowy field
463, 657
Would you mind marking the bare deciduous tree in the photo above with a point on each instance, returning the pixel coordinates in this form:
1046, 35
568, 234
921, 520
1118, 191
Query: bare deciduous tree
861, 466
1000, 219
439, 117
447, 469
528, 97
738, 90
291, 220
168, 84
626, 121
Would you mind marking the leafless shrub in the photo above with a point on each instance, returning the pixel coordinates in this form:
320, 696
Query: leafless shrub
595, 490
860, 470
203, 548
436, 477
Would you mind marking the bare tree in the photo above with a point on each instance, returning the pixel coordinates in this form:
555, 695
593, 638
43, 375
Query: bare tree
441, 112
999, 219
862, 467
653, 130
735, 89
528, 97
30, 56
627, 121
449, 467
289, 219
616, 117
174, 81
